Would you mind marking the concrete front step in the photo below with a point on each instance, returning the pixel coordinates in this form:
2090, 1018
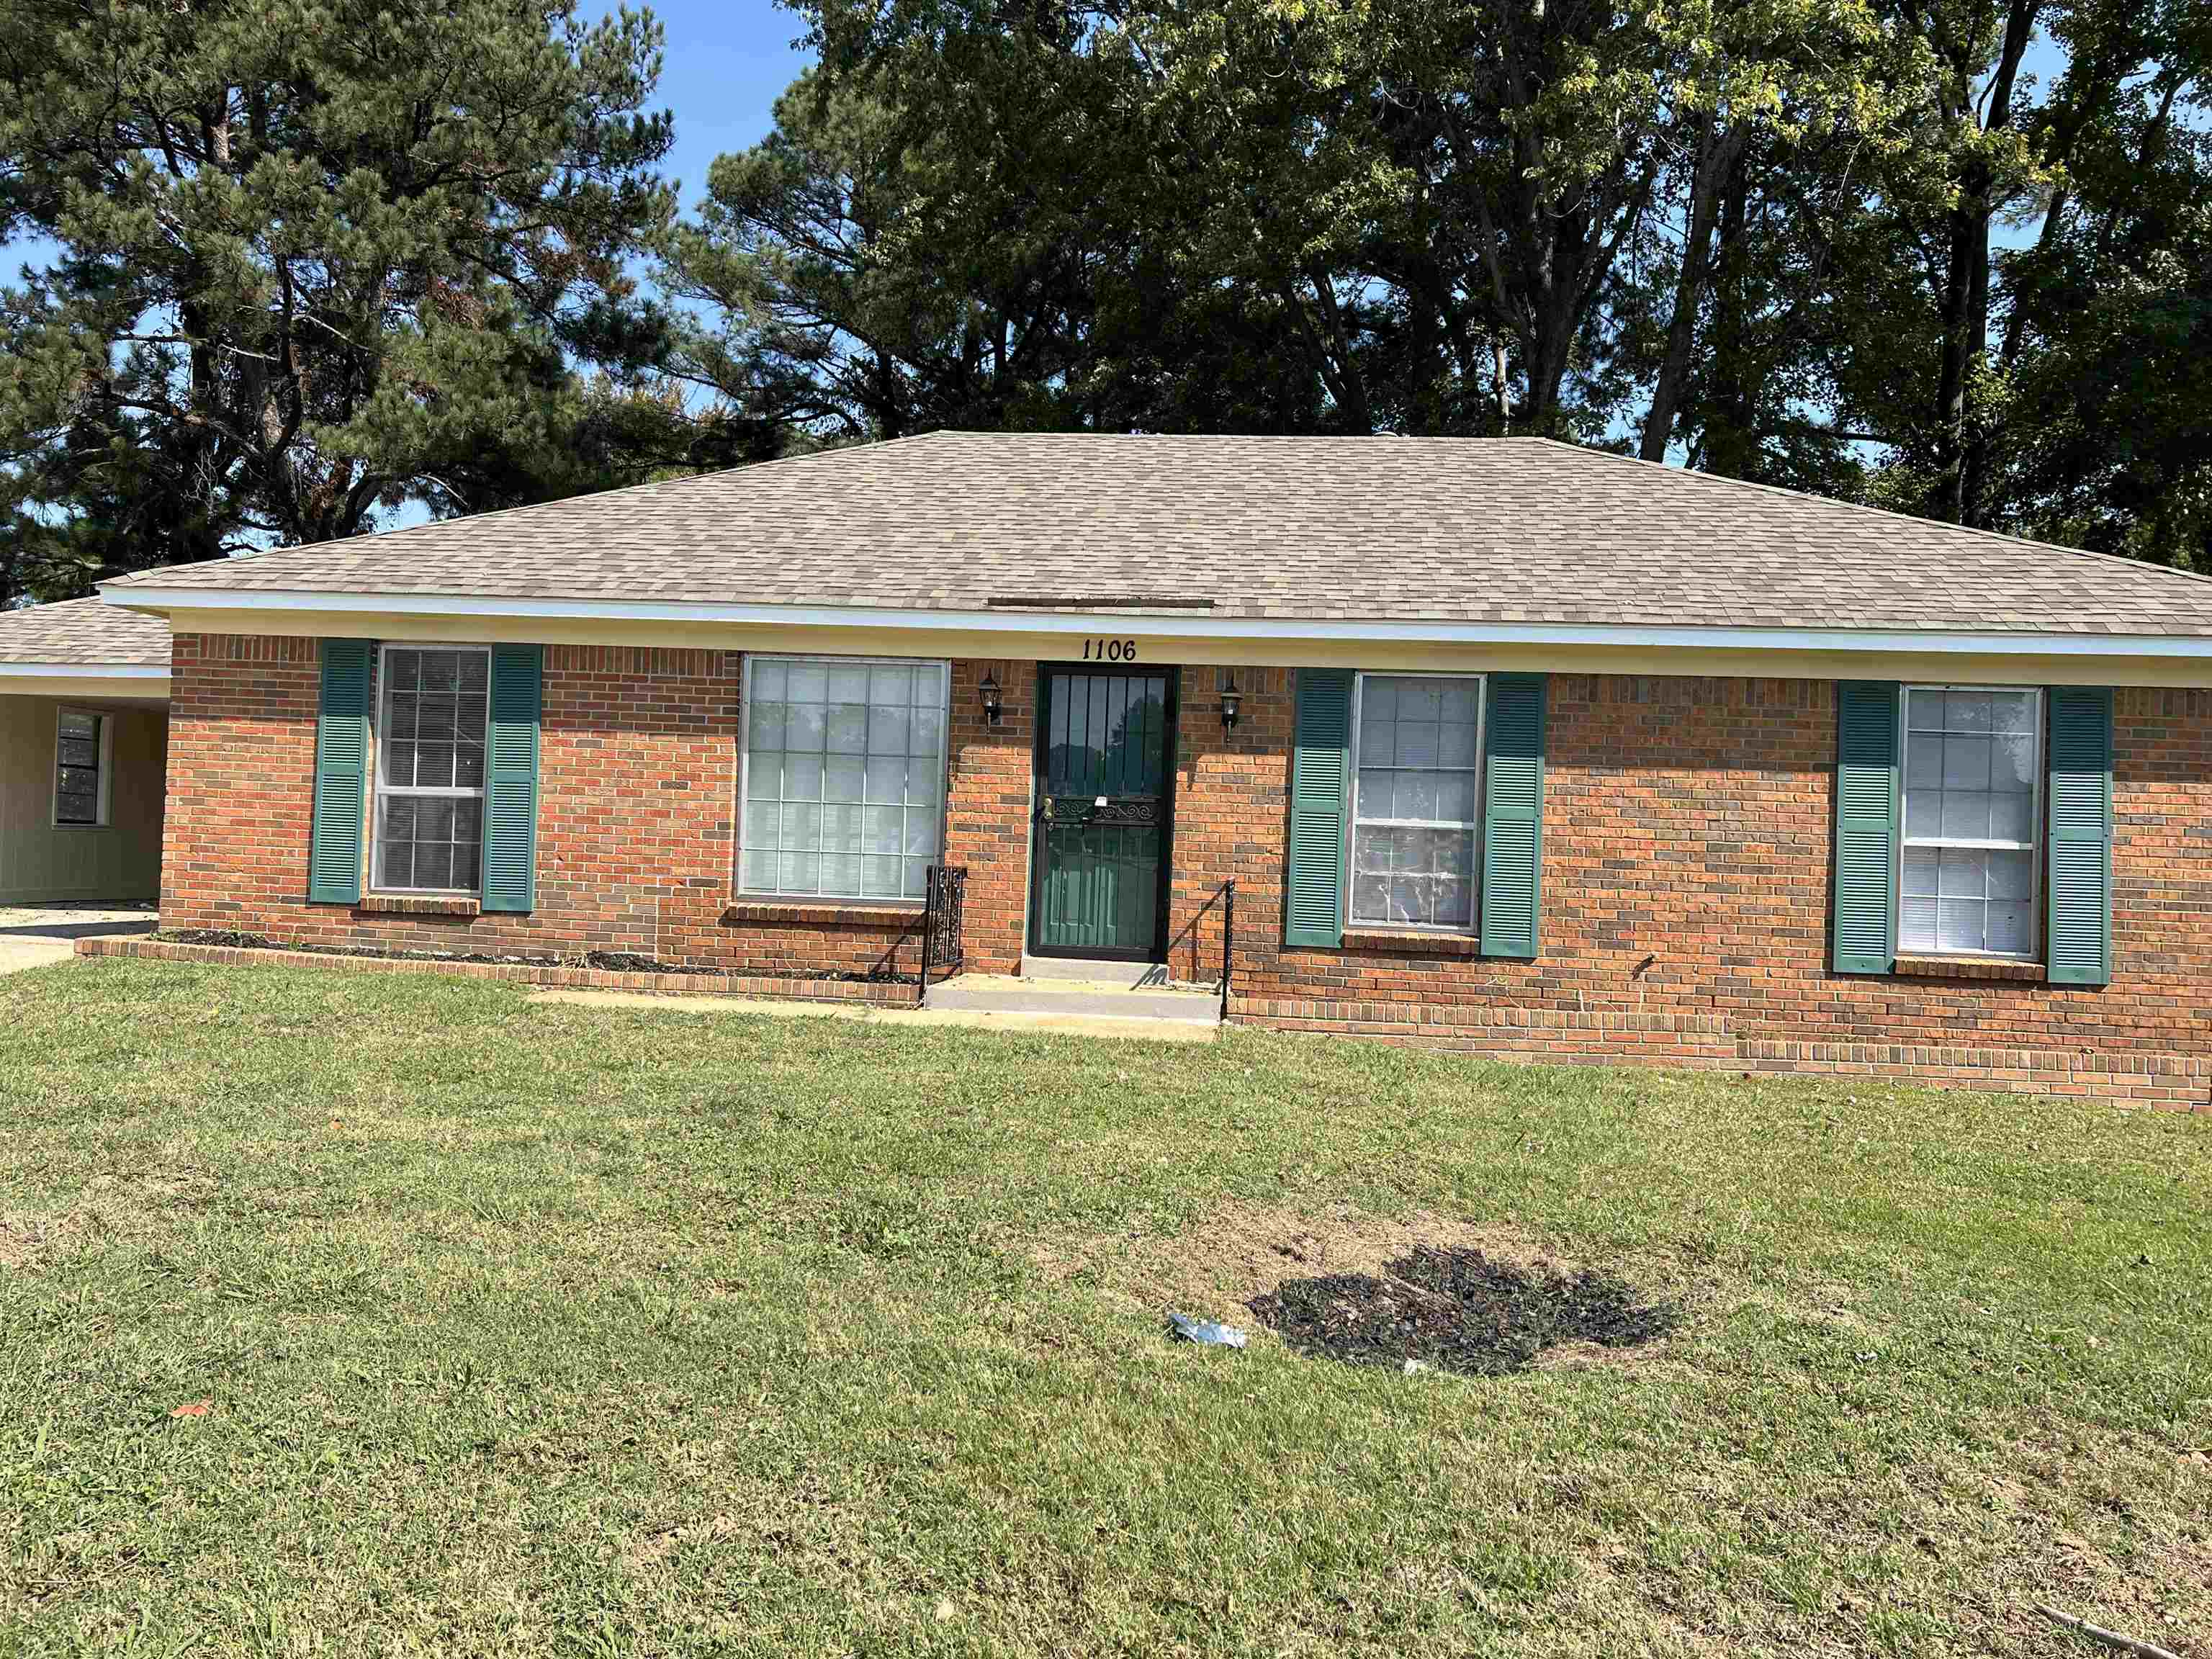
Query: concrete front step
1145, 975
1075, 999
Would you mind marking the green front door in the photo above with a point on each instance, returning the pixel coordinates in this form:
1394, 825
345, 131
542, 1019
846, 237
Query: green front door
1098, 888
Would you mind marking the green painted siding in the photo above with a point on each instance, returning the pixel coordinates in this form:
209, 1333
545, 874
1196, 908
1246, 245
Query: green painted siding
41, 861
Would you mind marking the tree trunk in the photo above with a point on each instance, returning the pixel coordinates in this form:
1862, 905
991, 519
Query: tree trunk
1716, 159
1731, 441
1962, 445
1970, 247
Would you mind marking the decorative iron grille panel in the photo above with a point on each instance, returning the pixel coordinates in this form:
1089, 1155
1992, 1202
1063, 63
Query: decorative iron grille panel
943, 943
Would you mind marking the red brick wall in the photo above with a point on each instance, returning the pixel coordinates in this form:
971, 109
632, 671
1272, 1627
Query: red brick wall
1231, 805
1687, 868
637, 812
1687, 852
987, 809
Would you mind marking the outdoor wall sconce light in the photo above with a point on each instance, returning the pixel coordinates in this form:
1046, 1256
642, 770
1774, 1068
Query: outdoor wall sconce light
1232, 703
993, 706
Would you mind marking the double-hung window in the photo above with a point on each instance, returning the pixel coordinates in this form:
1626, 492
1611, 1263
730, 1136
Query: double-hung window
1973, 772
81, 742
431, 714
1417, 800
844, 776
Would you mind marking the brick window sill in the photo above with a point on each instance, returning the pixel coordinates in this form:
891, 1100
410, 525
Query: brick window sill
1968, 968
1407, 942
833, 915
418, 904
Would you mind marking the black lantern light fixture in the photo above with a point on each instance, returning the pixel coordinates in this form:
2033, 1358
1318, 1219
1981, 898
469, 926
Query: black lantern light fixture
1232, 703
993, 706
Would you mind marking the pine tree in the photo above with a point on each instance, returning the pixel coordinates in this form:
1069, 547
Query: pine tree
314, 259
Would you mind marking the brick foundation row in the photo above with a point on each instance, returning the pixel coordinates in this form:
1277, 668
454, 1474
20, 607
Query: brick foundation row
1712, 1042
878, 993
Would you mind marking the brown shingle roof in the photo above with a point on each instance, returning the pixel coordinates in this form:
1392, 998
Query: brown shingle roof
1400, 529
88, 631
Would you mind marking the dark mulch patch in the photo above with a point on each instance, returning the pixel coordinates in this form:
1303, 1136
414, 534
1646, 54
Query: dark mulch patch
613, 962
229, 941
628, 962
1457, 1310
238, 941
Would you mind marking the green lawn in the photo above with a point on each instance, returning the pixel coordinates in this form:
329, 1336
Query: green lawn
531, 1328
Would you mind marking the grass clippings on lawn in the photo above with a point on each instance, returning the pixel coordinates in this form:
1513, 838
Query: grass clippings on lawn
519, 1328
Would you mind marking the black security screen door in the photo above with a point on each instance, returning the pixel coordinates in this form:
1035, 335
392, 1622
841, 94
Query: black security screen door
1099, 886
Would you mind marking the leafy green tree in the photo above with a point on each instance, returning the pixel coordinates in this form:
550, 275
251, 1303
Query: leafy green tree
317, 258
2100, 431
1770, 237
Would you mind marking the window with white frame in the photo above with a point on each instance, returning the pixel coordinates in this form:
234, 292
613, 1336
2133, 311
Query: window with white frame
1972, 778
844, 776
432, 708
1417, 795
81, 767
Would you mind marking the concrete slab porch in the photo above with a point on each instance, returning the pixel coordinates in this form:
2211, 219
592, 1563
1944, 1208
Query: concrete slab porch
1070, 998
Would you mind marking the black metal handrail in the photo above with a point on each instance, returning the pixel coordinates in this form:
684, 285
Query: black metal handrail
943, 941
1228, 940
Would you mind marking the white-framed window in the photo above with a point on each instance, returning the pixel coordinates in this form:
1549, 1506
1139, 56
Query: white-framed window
1973, 784
1416, 800
432, 706
84, 755
842, 782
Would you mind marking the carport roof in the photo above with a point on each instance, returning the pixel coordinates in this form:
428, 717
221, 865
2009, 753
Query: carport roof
86, 633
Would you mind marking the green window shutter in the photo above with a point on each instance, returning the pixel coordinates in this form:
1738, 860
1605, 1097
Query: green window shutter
1321, 779
1512, 813
341, 772
1867, 827
510, 824
2078, 944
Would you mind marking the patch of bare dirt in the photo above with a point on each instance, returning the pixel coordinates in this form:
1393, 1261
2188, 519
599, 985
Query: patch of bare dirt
1344, 1273
1241, 1251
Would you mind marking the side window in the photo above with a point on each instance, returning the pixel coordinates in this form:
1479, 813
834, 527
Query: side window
432, 710
1417, 799
80, 767
1973, 766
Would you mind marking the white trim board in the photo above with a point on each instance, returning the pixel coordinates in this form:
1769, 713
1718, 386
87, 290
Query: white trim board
1886, 641
84, 671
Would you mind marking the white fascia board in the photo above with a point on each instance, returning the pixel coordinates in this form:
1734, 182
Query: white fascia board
1890, 642
84, 671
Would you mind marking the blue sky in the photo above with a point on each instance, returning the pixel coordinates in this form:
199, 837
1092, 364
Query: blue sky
726, 62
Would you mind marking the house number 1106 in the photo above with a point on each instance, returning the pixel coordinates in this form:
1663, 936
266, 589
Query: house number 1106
1110, 651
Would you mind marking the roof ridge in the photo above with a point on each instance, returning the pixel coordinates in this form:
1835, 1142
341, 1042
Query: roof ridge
1809, 497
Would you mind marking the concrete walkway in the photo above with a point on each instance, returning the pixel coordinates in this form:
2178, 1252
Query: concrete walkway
33, 935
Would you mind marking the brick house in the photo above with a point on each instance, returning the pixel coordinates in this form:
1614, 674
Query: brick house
1505, 744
